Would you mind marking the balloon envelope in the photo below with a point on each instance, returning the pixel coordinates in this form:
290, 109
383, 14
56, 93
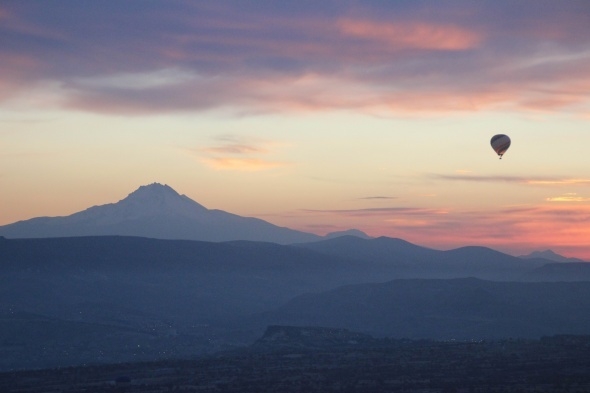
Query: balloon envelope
500, 143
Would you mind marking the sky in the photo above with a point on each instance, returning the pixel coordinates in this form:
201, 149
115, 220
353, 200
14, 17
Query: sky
317, 116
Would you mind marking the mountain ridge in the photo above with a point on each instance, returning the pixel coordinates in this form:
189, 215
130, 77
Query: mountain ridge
156, 211
550, 255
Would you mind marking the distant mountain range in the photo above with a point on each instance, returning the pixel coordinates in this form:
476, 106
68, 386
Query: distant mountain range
411, 261
103, 297
80, 289
550, 256
157, 211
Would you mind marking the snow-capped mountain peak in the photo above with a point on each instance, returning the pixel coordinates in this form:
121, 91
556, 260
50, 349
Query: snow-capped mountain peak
157, 211
147, 202
157, 199
153, 190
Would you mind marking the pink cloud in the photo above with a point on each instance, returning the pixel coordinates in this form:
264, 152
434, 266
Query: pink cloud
406, 35
240, 164
13, 75
230, 152
569, 197
533, 181
517, 230
375, 58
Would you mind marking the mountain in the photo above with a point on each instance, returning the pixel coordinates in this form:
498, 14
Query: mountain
349, 232
550, 256
73, 300
461, 309
188, 280
412, 261
561, 271
101, 298
156, 211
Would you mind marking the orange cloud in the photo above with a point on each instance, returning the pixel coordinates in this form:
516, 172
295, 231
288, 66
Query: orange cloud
569, 197
539, 181
315, 92
411, 35
240, 164
518, 231
559, 182
235, 153
248, 60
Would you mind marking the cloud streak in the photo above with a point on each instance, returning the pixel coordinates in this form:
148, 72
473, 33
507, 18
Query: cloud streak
377, 198
379, 211
404, 36
534, 181
240, 164
569, 197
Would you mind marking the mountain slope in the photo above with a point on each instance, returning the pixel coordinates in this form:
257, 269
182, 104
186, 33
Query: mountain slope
412, 261
192, 280
156, 211
207, 293
464, 308
560, 271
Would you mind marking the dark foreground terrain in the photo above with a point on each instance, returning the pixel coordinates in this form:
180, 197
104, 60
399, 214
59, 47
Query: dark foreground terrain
329, 360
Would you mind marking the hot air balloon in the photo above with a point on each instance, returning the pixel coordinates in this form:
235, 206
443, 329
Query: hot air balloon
500, 143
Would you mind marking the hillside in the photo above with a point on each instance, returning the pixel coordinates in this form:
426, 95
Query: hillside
95, 296
461, 309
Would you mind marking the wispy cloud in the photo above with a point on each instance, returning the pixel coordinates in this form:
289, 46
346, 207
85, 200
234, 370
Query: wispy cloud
378, 211
240, 164
476, 178
559, 182
515, 229
231, 144
404, 36
231, 152
569, 197
535, 181
377, 198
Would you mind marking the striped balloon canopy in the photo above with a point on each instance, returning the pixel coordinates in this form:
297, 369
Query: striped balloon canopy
500, 143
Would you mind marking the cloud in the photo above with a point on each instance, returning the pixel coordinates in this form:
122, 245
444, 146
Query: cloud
377, 198
513, 229
517, 229
475, 178
569, 197
240, 164
379, 211
534, 181
402, 36
375, 57
231, 144
559, 182
231, 152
